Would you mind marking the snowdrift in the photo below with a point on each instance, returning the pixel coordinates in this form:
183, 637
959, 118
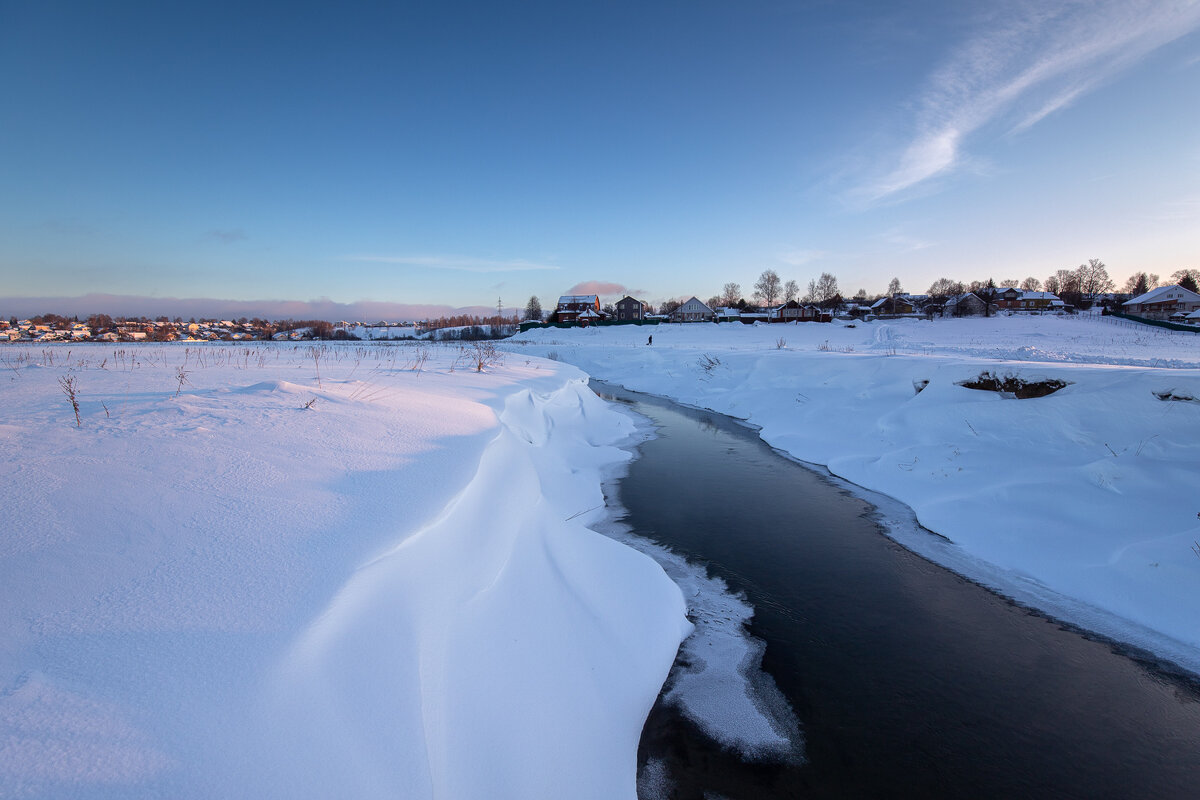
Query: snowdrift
286, 571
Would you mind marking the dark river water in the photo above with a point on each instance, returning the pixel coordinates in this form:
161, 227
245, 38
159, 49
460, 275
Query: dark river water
908, 680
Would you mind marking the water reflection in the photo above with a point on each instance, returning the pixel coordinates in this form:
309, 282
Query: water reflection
909, 681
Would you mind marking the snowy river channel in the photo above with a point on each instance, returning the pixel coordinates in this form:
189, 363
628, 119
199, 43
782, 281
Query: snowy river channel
903, 679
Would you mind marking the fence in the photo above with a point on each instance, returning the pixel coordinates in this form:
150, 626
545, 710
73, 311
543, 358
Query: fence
596, 323
1157, 323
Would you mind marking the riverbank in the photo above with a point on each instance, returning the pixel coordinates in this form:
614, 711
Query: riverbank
1080, 502
905, 679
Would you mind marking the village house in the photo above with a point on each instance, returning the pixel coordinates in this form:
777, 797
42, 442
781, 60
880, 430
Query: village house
1163, 303
692, 311
900, 304
791, 311
1040, 301
967, 304
577, 308
628, 308
1021, 300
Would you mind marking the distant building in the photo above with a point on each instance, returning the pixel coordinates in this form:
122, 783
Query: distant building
967, 304
692, 311
1021, 300
791, 311
628, 308
1163, 302
571, 306
899, 304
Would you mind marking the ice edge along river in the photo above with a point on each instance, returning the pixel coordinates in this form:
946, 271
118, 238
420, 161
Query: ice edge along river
1077, 504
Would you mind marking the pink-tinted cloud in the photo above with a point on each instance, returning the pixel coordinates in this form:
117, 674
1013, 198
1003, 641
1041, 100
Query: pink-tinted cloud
601, 288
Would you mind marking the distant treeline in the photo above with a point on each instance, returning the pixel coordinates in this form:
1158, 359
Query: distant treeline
465, 326
468, 320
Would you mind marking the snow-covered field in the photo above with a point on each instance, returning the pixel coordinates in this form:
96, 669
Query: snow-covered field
1084, 502
317, 571
363, 570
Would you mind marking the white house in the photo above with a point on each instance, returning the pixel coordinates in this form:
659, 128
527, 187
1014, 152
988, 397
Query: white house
692, 311
1162, 302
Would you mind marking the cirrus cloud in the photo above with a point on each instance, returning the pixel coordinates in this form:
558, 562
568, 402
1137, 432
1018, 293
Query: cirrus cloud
1023, 62
460, 263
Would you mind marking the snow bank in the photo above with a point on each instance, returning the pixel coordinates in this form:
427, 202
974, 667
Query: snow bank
317, 571
1083, 502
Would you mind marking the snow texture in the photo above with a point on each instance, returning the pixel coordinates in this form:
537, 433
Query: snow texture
1082, 503
328, 571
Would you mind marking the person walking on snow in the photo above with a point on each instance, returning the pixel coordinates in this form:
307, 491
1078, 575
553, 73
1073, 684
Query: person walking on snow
650, 341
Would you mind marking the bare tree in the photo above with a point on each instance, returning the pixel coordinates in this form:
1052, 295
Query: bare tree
1031, 284
790, 290
1093, 278
945, 287
767, 287
731, 294
1065, 284
893, 287
824, 289
533, 309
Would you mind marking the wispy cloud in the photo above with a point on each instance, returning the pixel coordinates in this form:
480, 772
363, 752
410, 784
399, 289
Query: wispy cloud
1180, 209
460, 263
800, 258
897, 240
226, 236
1022, 63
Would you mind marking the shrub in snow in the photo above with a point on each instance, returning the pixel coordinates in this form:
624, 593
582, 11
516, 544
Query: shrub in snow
1171, 394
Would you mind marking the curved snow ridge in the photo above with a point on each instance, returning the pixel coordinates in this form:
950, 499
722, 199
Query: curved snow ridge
502, 629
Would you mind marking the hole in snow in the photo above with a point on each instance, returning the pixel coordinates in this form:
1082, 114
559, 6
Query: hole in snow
1013, 386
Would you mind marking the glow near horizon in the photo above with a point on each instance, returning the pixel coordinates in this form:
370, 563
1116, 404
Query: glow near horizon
450, 153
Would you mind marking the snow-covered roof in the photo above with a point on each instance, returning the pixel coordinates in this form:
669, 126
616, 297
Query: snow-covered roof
900, 298
1038, 296
1163, 294
578, 298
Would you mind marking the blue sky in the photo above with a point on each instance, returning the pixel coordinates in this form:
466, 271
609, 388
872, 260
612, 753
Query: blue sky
452, 152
